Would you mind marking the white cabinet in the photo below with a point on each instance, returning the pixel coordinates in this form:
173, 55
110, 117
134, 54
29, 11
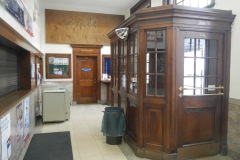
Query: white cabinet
56, 105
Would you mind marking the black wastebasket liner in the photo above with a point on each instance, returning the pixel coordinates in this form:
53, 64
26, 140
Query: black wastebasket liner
113, 122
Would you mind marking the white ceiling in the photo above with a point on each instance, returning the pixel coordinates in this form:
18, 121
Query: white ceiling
97, 6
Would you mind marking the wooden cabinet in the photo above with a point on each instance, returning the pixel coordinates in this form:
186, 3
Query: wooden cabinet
172, 77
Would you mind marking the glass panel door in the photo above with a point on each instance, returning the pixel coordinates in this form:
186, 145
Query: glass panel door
199, 73
155, 62
200, 66
133, 64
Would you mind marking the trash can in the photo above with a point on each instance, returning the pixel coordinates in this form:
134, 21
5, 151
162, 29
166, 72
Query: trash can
113, 125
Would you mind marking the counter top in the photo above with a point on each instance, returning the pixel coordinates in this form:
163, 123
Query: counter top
12, 99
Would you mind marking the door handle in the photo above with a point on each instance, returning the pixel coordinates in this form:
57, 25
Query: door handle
181, 88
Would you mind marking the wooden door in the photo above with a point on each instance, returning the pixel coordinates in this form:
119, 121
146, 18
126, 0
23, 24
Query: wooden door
200, 94
86, 81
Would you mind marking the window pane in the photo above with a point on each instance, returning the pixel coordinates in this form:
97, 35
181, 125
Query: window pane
212, 48
133, 84
200, 48
150, 85
200, 67
161, 40
150, 64
136, 44
132, 70
194, 3
151, 41
212, 67
160, 85
123, 81
189, 47
188, 66
161, 63
188, 82
203, 3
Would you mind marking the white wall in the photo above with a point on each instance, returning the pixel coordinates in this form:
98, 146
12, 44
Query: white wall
7, 17
235, 56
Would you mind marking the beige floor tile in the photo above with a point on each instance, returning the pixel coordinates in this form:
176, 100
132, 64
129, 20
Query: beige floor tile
91, 158
75, 154
119, 156
84, 143
107, 149
89, 150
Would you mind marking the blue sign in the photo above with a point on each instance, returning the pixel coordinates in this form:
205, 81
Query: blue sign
14, 8
86, 69
107, 66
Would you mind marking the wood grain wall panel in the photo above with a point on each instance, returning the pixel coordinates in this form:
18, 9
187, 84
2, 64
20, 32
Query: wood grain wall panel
133, 122
68, 27
199, 126
153, 128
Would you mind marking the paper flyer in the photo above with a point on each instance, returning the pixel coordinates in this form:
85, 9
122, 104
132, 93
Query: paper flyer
6, 137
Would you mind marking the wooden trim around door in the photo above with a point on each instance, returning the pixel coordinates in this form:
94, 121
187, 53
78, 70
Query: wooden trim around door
87, 51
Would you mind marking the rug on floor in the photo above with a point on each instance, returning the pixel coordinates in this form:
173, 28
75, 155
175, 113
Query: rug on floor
50, 146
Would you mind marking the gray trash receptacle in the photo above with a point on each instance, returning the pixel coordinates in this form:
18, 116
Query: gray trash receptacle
113, 125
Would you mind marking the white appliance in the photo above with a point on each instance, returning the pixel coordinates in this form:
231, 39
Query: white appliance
56, 105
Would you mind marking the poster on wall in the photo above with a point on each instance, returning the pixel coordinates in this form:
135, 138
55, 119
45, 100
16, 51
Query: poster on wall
58, 66
107, 66
19, 114
6, 137
16, 10
20, 13
26, 119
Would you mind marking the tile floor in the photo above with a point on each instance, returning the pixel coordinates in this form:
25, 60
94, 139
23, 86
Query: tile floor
88, 142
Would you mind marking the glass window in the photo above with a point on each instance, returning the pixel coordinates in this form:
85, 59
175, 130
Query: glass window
192, 3
200, 66
133, 64
122, 64
115, 64
155, 62
196, 3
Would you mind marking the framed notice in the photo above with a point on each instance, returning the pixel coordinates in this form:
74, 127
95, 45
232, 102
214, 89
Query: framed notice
58, 65
106, 64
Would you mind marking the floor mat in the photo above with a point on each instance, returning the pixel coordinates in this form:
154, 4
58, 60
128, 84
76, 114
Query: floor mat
50, 146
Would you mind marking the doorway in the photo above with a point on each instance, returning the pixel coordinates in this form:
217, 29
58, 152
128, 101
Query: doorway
86, 78
200, 89
86, 68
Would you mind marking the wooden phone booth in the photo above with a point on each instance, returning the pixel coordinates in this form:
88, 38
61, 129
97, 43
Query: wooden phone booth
172, 77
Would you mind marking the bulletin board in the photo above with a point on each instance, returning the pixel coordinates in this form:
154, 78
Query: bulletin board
58, 65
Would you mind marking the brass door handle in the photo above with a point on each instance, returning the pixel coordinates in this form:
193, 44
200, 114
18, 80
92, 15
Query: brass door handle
181, 88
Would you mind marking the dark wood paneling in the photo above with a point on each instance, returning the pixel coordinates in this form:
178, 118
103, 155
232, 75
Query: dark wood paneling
9, 33
132, 122
141, 4
199, 125
198, 151
25, 71
153, 128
